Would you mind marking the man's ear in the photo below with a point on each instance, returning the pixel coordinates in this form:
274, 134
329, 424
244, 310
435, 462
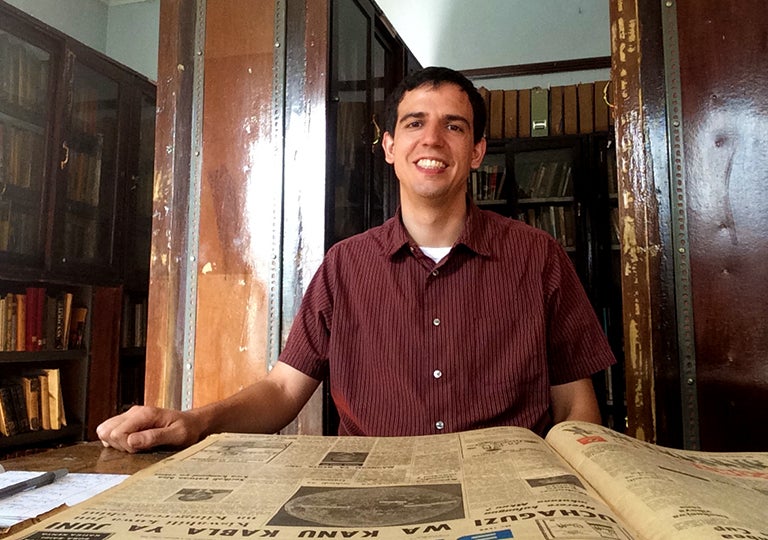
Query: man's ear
478, 153
388, 143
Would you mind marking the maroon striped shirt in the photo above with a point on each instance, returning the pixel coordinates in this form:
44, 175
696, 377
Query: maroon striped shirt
413, 347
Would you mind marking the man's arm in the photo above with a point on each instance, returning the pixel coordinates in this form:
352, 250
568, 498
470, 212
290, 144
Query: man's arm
263, 407
575, 401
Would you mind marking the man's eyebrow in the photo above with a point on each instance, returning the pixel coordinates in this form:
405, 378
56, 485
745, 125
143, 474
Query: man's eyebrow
411, 116
422, 115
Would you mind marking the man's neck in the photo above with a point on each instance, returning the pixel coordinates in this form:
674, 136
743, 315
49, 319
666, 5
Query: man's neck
437, 226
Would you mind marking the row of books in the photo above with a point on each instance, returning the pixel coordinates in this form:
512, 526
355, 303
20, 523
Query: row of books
558, 221
23, 73
81, 235
21, 157
84, 178
18, 229
133, 329
558, 110
36, 321
545, 179
31, 402
487, 182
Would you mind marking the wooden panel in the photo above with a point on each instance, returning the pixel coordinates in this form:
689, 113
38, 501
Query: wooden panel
638, 212
170, 201
305, 183
724, 73
241, 168
105, 356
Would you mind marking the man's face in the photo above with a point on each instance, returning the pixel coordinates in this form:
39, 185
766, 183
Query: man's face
432, 149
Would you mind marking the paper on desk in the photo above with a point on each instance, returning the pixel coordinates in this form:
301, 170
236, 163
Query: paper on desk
70, 490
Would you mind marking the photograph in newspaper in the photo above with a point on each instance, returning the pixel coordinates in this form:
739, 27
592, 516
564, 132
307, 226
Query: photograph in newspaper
491, 483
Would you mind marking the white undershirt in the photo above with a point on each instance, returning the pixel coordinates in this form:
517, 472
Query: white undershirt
435, 253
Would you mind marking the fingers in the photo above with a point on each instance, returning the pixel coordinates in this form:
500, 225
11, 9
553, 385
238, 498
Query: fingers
126, 431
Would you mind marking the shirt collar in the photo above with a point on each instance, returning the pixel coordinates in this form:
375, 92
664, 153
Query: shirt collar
474, 236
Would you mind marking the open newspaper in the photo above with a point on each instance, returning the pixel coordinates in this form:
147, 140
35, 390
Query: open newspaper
584, 482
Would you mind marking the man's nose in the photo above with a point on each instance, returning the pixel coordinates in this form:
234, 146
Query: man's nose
432, 134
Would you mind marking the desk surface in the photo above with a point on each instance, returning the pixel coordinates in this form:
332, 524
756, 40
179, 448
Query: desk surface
89, 457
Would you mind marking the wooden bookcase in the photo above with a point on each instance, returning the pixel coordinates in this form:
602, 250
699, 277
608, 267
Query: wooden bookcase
76, 152
566, 185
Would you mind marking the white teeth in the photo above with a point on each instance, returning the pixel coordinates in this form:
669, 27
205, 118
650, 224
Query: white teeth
431, 164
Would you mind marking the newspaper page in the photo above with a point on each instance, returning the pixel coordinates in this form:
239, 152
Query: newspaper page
664, 493
485, 484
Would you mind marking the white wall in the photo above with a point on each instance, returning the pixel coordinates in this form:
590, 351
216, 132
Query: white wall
84, 20
133, 35
467, 34
127, 32
461, 34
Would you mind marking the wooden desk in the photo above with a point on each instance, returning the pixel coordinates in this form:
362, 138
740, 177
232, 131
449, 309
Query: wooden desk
87, 457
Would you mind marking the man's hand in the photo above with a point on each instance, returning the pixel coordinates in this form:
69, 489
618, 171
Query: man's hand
141, 428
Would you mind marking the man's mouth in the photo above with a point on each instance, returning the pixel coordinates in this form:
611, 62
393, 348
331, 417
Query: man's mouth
432, 164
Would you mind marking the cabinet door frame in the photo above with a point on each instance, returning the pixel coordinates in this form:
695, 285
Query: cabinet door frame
27, 29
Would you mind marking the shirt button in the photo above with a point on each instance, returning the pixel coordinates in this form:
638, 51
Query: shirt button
439, 424
437, 374
436, 321
435, 272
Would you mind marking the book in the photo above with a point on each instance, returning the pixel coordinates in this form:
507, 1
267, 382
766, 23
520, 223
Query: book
45, 405
21, 322
18, 405
496, 120
602, 115
510, 114
524, 113
7, 415
63, 314
583, 481
486, 95
570, 110
30, 385
77, 327
586, 96
556, 110
56, 413
539, 112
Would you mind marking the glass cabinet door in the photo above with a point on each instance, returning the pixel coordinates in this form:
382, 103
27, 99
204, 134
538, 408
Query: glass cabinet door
86, 213
365, 67
351, 119
25, 107
139, 219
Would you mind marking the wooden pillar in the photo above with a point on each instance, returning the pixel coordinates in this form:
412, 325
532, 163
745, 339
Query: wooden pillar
169, 259
690, 104
240, 192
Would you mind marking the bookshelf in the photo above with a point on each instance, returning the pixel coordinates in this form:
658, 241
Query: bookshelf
566, 185
76, 160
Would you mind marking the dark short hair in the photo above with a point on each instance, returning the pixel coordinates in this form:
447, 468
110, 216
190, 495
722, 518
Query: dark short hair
435, 76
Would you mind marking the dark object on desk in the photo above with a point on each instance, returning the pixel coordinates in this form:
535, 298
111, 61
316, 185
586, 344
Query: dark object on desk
32, 483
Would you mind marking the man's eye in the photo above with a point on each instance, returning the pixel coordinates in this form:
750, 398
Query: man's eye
455, 127
415, 123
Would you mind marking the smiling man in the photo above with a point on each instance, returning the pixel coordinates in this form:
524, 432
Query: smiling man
444, 318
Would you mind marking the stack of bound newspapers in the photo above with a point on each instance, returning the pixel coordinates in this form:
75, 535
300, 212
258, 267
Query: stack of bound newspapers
583, 482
